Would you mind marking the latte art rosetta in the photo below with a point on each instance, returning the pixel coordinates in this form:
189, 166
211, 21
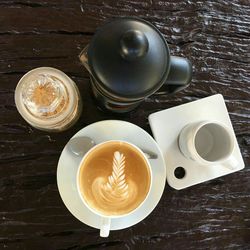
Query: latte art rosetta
114, 178
116, 190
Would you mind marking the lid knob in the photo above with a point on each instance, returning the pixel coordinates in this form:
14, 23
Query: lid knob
134, 44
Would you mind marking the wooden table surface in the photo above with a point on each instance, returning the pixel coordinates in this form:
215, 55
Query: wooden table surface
214, 35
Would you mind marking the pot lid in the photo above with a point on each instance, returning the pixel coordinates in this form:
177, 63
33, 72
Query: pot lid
129, 58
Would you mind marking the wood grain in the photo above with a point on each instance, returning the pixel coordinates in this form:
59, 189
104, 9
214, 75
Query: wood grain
214, 35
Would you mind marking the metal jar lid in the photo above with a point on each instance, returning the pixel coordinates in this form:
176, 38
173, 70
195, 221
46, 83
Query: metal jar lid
129, 58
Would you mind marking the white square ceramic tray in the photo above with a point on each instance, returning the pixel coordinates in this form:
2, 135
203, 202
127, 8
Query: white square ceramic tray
166, 126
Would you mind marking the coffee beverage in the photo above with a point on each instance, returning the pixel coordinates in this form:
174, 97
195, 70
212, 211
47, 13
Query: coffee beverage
114, 178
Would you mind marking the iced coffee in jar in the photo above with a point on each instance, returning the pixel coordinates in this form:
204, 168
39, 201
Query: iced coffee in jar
48, 99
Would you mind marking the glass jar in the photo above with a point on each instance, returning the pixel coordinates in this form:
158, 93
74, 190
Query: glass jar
48, 99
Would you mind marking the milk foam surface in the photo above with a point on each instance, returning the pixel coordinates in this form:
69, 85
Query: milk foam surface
114, 178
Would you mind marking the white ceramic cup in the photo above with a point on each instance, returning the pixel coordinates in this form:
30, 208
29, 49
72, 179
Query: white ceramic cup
208, 143
105, 221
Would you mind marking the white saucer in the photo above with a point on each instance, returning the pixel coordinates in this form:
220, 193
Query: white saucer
100, 132
166, 126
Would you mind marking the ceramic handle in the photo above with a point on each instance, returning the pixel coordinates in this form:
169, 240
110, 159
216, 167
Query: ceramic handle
180, 74
105, 227
231, 163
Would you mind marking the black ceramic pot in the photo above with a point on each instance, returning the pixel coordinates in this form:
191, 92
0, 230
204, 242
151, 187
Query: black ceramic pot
128, 59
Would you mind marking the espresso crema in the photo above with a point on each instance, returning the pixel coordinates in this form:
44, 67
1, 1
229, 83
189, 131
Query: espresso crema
114, 179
